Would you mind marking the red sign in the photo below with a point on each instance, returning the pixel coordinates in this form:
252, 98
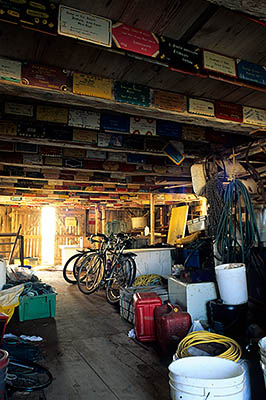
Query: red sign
232, 112
136, 40
43, 76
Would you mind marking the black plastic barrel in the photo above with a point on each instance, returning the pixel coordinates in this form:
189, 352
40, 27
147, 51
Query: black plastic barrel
3, 372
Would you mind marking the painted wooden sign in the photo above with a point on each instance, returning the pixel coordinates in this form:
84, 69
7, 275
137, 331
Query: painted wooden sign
90, 85
52, 114
84, 119
25, 110
193, 133
136, 159
168, 128
60, 133
136, 40
250, 72
38, 15
84, 26
121, 157
109, 140
6, 146
56, 161
44, 76
73, 163
232, 112
8, 128
169, 101
10, 70
80, 135
179, 55
132, 93
96, 155
154, 144
142, 126
201, 107
30, 130
218, 63
254, 116
74, 153
32, 159
114, 122
52, 151
26, 148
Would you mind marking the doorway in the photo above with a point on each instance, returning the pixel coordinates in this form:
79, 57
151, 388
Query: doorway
48, 235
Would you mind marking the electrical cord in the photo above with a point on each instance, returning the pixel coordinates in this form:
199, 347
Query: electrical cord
233, 350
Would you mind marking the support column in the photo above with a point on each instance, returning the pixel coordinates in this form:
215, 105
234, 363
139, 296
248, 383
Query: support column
152, 220
97, 220
103, 218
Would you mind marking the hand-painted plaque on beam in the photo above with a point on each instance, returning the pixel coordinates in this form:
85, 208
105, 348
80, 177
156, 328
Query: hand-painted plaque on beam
74, 153
84, 26
169, 101
10, 70
250, 72
136, 159
60, 133
52, 114
217, 63
84, 119
114, 122
96, 155
44, 76
8, 128
30, 130
254, 116
32, 159
180, 55
56, 161
142, 126
193, 133
23, 110
94, 86
80, 135
26, 148
229, 111
109, 140
132, 93
135, 40
121, 157
168, 128
51, 151
201, 107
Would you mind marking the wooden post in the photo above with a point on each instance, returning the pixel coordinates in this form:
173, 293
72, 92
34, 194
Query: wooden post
97, 220
103, 218
152, 219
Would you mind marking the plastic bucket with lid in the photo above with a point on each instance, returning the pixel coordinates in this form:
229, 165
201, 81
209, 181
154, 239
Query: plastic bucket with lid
232, 283
200, 378
3, 372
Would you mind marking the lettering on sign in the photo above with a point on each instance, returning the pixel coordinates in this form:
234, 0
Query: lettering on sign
135, 40
169, 101
10, 70
218, 63
56, 161
52, 114
32, 159
44, 76
193, 133
75, 153
84, 119
94, 86
254, 116
121, 157
250, 72
8, 128
201, 107
142, 126
115, 122
80, 135
168, 128
25, 110
132, 93
84, 26
109, 140
97, 155
232, 112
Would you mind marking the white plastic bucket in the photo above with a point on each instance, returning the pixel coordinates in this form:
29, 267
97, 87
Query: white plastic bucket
2, 273
200, 378
232, 283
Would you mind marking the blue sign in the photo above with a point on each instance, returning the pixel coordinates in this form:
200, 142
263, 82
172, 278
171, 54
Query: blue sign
251, 72
168, 128
136, 159
114, 122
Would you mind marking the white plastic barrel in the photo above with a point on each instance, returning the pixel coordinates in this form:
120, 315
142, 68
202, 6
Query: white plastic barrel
232, 283
200, 378
2, 273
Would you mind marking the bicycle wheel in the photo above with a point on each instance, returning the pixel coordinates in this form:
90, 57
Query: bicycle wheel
122, 276
27, 378
90, 273
68, 270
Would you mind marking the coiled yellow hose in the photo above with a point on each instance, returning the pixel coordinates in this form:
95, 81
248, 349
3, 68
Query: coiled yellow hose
233, 350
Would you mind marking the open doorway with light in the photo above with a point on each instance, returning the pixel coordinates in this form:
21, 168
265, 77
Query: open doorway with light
48, 235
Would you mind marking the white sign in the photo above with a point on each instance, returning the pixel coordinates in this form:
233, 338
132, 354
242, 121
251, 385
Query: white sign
25, 110
10, 70
201, 107
84, 119
218, 63
84, 26
254, 116
142, 126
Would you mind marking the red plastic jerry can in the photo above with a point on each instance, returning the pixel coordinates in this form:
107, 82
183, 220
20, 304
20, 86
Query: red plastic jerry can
172, 324
144, 305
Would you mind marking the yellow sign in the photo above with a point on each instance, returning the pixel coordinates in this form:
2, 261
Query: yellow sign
70, 221
177, 224
169, 101
52, 114
8, 128
94, 86
81, 135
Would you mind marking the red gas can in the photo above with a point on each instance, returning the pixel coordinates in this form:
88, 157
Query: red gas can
144, 305
172, 324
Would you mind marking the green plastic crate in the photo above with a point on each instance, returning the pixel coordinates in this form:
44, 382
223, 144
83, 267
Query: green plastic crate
42, 306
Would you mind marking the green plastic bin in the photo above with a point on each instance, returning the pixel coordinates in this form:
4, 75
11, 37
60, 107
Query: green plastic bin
42, 306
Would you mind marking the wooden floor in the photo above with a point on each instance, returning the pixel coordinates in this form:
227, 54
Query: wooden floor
89, 353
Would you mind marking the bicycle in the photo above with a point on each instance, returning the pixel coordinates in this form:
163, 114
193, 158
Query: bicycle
70, 270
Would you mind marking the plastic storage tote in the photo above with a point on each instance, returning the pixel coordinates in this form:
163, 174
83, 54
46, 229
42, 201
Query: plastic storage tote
42, 306
144, 305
